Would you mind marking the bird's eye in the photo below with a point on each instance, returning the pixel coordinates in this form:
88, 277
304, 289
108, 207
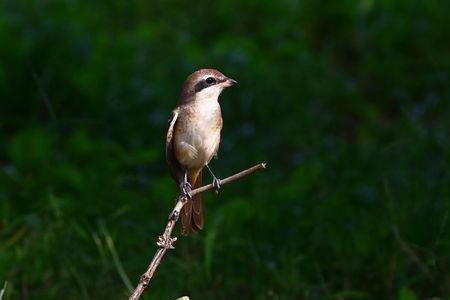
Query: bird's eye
210, 80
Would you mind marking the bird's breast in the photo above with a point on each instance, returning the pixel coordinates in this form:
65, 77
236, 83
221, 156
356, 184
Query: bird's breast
197, 133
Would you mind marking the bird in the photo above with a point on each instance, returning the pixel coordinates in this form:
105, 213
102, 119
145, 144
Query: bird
193, 138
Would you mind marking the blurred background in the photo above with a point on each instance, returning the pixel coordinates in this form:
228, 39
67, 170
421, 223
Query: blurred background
347, 101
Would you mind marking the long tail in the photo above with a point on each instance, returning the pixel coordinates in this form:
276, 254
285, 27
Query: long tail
192, 215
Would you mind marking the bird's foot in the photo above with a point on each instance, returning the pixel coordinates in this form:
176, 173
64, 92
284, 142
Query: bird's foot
216, 181
186, 189
216, 184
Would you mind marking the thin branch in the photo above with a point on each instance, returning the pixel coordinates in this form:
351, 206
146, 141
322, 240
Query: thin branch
44, 95
165, 241
117, 263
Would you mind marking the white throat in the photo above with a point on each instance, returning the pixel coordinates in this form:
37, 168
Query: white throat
209, 94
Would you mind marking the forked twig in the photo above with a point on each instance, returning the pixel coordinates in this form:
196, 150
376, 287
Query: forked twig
165, 241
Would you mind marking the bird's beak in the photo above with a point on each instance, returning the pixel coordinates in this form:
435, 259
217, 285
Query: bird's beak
229, 82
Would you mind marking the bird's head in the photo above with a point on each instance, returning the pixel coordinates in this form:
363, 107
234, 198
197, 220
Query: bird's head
205, 83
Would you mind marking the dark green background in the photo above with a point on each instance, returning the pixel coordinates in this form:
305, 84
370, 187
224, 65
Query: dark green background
347, 101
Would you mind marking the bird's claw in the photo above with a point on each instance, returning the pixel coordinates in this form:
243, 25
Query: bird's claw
186, 188
216, 184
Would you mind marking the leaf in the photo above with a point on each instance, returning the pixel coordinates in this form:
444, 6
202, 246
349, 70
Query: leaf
2, 291
407, 294
30, 148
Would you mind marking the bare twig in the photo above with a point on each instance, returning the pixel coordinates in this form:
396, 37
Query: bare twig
165, 241
410, 252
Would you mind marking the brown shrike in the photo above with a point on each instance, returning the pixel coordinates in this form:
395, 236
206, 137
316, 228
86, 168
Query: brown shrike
193, 138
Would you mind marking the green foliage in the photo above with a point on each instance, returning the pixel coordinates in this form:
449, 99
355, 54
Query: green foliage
406, 294
348, 102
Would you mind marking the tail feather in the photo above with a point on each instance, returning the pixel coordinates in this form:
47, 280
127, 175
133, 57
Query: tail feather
186, 218
197, 212
192, 216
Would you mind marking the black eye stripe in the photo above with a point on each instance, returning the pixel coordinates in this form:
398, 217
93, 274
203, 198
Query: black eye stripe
202, 84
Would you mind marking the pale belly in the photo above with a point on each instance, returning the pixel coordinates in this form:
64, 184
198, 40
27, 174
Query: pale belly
197, 135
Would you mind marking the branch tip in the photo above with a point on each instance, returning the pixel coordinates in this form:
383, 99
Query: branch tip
165, 242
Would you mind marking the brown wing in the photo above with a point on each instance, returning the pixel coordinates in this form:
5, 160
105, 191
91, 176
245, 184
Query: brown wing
176, 171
